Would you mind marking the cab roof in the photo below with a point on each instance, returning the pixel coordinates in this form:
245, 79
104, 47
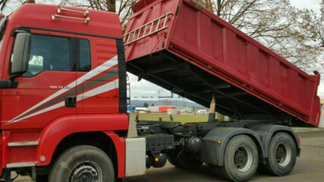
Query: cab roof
100, 23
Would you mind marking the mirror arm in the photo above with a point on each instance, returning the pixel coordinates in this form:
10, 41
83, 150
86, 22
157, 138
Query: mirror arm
14, 76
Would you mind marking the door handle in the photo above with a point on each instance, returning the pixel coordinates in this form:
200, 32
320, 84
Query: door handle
70, 102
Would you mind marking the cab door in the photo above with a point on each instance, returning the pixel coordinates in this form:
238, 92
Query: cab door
47, 90
97, 72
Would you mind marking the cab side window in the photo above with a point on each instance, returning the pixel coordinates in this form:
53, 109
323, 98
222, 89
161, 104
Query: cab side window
49, 53
84, 55
53, 53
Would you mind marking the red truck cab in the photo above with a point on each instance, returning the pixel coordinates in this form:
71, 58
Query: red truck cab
75, 83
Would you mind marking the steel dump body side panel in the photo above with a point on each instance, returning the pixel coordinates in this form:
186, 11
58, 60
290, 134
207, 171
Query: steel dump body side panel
202, 39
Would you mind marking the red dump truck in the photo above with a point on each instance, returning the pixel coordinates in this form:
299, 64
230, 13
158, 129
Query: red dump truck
63, 94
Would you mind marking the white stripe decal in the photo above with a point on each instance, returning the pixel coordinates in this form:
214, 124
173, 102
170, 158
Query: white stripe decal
103, 67
55, 106
101, 89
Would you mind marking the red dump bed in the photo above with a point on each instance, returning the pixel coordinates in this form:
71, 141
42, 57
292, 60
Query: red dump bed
186, 49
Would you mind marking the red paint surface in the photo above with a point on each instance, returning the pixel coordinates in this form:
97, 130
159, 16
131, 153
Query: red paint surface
208, 42
99, 113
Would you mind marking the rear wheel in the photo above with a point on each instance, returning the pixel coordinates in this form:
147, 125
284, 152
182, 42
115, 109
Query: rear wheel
171, 158
216, 171
282, 155
83, 163
240, 161
42, 178
184, 160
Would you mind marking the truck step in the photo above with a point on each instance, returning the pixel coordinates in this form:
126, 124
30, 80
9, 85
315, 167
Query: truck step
23, 144
20, 164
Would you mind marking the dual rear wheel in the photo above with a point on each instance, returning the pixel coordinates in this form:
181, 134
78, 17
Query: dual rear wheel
241, 158
282, 155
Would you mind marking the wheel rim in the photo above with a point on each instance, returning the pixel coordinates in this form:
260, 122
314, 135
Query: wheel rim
283, 154
243, 158
86, 172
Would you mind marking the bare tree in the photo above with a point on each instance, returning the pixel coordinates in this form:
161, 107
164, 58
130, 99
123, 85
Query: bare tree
306, 43
3, 4
121, 7
10, 5
124, 10
105, 5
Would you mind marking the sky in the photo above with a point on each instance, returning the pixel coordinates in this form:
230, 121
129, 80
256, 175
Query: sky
313, 4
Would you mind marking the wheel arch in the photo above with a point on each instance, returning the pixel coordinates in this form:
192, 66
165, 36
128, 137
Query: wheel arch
67, 128
224, 135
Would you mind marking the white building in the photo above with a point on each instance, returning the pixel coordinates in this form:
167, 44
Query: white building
202, 112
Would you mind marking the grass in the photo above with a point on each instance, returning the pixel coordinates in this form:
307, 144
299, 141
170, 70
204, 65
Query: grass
183, 118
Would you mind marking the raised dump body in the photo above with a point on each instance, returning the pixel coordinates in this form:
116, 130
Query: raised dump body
188, 50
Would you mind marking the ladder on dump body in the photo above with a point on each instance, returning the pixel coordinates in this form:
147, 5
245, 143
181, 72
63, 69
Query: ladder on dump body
147, 29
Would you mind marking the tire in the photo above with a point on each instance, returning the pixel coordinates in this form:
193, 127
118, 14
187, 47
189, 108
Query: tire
216, 171
171, 160
42, 178
241, 159
282, 155
184, 160
82, 162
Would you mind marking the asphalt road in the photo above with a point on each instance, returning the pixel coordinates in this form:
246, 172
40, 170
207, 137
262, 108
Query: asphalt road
309, 167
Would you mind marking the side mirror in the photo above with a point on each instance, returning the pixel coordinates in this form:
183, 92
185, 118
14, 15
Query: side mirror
20, 56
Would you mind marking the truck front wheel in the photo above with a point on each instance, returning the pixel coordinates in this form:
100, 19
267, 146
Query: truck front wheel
241, 159
82, 163
282, 155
